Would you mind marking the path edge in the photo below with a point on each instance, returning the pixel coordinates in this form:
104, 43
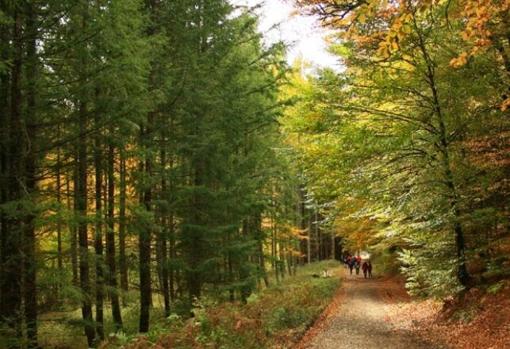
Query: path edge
323, 318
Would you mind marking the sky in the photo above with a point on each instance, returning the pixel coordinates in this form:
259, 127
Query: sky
302, 33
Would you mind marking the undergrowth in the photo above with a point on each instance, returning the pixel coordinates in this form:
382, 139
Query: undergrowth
276, 317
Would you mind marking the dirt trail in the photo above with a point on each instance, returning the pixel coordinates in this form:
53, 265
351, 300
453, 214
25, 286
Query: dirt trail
361, 318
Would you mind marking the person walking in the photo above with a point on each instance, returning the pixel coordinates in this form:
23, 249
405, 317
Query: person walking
364, 267
351, 264
369, 269
357, 266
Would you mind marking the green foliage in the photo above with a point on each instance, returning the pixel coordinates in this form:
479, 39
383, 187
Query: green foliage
430, 275
153, 129
385, 261
398, 145
285, 318
169, 138
278, 314
495, 288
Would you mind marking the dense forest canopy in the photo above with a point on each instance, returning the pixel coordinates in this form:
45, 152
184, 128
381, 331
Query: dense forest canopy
161, 150
416, 133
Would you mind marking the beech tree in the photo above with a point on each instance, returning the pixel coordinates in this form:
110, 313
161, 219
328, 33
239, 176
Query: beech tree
402, 120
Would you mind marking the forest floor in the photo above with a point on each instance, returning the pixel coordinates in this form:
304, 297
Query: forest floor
378, 313
362, 317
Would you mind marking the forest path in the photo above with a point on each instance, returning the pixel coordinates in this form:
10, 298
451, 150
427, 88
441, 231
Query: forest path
362, 317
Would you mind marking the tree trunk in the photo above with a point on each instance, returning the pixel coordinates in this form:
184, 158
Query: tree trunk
73, 226
4, 150
303, 243
274, 251
110, 241
81, 209
244, 273
59, 202
194, 245
333, 247
163, 236
262, 262
30, 264
453, 198
281, 264
144, 241
98, 237
172, 255
12, 233
290, 260
81, 187
230, 270
124, 282
145, 235
317, 237
309, 241
164, 270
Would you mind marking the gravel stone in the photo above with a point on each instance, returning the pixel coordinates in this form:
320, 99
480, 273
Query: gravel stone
363, 318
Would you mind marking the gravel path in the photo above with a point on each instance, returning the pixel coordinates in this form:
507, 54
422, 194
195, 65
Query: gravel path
363, 318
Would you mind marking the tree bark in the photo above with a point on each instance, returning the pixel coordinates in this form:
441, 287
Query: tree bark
30, 264
81, 187
145, 235
81, 209
98, 237
303, 243
309, 241
58, 184
110, 241
73, 226
124, 282
4, 151
144, 241
12, 233
163, 236
172, 255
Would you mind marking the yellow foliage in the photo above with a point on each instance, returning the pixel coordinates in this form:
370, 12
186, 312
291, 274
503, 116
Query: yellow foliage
460, 60
505, 105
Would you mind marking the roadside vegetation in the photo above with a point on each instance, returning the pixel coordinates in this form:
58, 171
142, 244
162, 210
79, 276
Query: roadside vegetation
274, 317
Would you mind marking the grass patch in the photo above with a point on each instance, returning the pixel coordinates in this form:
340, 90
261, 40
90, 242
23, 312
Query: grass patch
64, 329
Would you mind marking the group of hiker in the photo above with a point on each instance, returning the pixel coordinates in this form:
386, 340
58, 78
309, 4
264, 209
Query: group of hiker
356, 262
